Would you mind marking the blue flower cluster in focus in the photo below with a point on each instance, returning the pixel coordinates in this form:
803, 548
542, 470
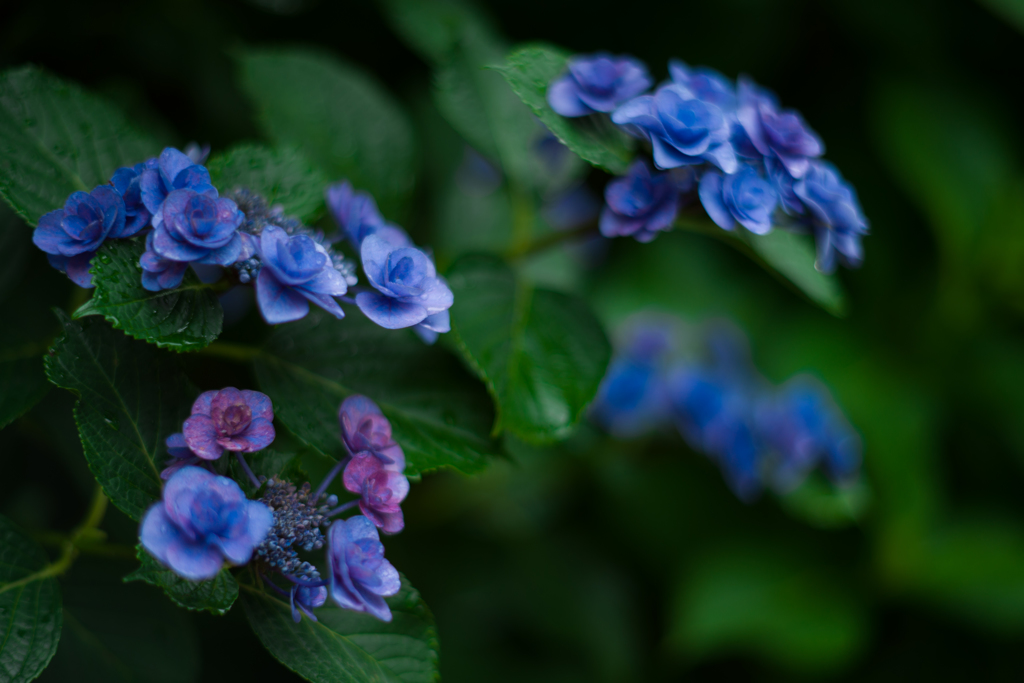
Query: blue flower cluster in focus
702, 382
746, 159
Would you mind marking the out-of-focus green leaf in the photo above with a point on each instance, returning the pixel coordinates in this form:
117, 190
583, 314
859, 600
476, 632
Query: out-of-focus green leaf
768, 604
281, 176
215, 595
439, 414
825, 505
541, 353
267, 463
55, 138
339, 117
30, 607
348, 647
793, 256
185, 318
132, 396
1011, 11
529, 69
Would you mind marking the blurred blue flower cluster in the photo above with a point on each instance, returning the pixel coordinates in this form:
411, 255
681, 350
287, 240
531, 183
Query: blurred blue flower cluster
702, 381
750, 161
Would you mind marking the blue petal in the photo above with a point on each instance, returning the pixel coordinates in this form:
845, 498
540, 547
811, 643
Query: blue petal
278, 304
710, 192
388, 312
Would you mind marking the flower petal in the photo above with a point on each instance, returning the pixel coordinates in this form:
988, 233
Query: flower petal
387, 312
201, 436
278, 304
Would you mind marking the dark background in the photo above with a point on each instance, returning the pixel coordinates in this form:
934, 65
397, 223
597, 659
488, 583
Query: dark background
585, 562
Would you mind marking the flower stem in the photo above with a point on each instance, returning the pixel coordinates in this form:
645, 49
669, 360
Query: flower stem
341, 508
246, 468
329, 478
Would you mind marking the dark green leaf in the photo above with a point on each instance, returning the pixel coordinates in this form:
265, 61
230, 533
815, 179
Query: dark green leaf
282, 176
337, 115
30, 607
529, 69
438, 413
215, 595
186, 318
22, 381
345, 646
132, 396
793, 256
541, 353
56, 138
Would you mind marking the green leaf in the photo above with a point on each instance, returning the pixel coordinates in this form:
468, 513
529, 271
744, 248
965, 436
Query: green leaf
215, 595
282, 176
825, 505
30, 607
339, 116
530, 69
542, 354
793, 256
345, 646
22, 381
438, 413
132, 396
770, 604
185, 318
56, 138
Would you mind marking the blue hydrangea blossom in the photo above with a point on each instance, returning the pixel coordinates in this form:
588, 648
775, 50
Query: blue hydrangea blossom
779, 134
159, 273
203, 521
296, 270
704, 84
743, 197
365, 429
597, 83
174, 170
355, 211
229, 419
360, 578
640, 204
198, 228
836, 217
127, 180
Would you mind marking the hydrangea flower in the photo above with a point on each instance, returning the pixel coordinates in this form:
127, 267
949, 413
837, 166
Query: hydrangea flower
71, 236
836, 216
682, 129
598, 83
744, 197
381, 491
640, 204
307, 598
157, 272
203, 520
360, 577
364, 428
127, 181
231, 420
705, 84
432, 326
172, 171
408, 287
779, 134
181, 455
198, 228
296, 270
355, 211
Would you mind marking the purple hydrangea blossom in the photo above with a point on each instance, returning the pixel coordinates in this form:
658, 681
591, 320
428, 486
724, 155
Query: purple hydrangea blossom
306, 598
744, 197
408, 287
127, 181
157, 272
355, 211
836, 217
181, 455
71, 236
296, 270
231, 420
173, 170
682, 129
779, 134
640, 203
198, 228
203, 520
704, 84
364, 428
598, 83
360, 577
382, 490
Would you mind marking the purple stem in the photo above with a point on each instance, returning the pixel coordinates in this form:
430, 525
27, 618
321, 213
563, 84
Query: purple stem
330, 476
273, 585
245, 466
341, 508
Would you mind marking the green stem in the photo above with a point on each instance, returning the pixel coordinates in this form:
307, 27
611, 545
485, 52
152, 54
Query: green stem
236, 352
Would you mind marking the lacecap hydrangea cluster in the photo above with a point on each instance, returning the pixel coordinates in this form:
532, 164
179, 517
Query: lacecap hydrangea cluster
189, 222
204, 521
730, 146
702, 382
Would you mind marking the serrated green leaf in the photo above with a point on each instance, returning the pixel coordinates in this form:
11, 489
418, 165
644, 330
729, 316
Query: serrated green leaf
793, 256
345, 646
55, 138
185, 318
439, 414
132, 396
339, 117
30, 607
281, 176
541, 353
530, 69
215, 595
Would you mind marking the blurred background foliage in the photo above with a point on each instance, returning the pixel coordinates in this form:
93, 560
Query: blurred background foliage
598, 560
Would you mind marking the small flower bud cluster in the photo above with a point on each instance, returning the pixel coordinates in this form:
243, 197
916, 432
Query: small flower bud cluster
757, 165
759, 435
297, 523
